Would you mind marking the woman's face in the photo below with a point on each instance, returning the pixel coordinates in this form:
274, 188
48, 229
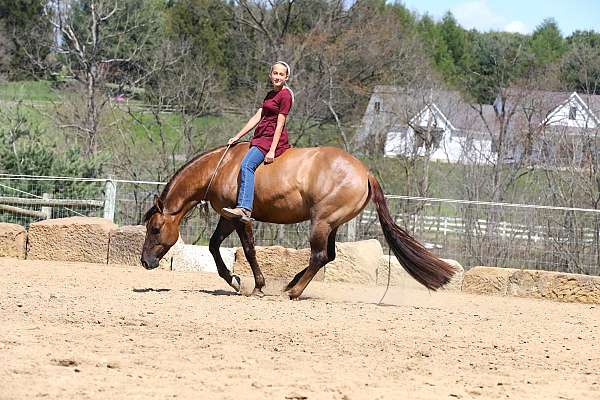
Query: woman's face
279, 75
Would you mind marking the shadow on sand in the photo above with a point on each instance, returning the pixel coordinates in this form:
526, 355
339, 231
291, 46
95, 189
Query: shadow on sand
146, 290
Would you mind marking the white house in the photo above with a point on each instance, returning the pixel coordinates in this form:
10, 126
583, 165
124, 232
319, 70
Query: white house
440, 125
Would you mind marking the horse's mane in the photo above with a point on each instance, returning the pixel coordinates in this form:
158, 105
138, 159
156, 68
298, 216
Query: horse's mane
167, 188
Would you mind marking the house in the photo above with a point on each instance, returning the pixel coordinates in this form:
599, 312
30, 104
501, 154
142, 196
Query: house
550, 128
521, 126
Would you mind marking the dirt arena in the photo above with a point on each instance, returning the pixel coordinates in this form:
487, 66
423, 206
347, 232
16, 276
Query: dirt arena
80, 331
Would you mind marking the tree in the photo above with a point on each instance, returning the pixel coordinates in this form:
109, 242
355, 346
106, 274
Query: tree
27, 149
580, 65
206, 26
98, 36
436, 47
497, 60
455, 37
547, 43
23, 31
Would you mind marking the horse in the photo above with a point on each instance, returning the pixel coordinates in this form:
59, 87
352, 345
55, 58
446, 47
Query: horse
325, 185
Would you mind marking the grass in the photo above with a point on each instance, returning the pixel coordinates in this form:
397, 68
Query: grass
28, 91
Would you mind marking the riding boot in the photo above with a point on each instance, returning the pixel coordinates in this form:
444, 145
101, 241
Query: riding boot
238, 213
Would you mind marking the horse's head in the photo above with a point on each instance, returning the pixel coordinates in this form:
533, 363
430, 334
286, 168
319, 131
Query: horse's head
162, 231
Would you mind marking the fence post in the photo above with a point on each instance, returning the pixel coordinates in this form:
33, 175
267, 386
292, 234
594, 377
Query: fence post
110, 199
47, 210
352, 230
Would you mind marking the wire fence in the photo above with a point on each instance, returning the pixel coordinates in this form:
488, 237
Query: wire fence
473, 233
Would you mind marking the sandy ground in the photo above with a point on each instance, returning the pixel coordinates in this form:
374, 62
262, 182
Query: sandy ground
79, 331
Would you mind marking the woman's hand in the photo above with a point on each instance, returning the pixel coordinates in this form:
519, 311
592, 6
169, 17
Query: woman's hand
270, 157
232, 140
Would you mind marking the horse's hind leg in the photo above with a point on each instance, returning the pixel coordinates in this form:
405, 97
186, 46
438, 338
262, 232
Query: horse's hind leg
246, 235
331, 245
319, 256
330, 257
295, 280
224, 229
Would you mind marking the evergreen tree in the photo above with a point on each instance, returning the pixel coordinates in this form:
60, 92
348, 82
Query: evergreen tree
498, 58
455, 37
23, 25
207, 26
436, 47
580, 65
547, 43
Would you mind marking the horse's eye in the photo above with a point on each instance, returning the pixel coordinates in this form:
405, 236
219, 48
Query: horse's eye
154, 230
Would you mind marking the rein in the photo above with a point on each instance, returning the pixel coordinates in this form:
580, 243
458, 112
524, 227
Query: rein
388, 277
203, 201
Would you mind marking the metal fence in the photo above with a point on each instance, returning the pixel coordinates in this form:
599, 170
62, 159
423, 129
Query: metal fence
473, 233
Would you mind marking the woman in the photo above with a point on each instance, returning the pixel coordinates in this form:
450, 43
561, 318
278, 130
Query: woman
270, 138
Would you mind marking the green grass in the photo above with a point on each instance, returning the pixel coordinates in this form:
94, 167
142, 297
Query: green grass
216, 129
28, 91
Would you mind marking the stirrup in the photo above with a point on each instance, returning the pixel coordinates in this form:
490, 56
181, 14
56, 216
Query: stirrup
243, 216
247, 220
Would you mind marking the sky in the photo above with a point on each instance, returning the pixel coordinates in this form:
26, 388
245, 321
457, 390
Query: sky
521, 16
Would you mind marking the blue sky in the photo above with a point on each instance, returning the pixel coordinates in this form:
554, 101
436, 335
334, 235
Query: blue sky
514, 15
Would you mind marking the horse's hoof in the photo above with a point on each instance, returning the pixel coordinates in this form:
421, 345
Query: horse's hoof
236, 283
258, 293
293, 296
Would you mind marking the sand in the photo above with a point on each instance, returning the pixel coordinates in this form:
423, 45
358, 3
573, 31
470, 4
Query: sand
85, 331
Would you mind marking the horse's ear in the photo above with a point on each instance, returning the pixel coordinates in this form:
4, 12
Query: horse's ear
158, 204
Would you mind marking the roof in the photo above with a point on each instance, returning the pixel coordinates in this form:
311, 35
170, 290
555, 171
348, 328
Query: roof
523, 107
404, 104
532, 107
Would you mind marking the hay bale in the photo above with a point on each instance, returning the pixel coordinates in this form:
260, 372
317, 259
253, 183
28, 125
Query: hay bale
13, 239
355, 262
82, 239
487, 280
399, 276
191, 258
555, 286
457, 280
126, 245
275, 261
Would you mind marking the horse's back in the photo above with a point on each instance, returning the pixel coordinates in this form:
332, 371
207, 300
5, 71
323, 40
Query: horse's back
303, 182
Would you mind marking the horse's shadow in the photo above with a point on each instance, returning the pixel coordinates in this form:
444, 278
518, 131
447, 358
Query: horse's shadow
146, 290
217, 292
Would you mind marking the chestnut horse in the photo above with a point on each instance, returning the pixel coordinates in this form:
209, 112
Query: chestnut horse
325, 185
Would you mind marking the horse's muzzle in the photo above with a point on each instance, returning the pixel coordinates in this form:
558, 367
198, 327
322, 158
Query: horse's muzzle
149, 264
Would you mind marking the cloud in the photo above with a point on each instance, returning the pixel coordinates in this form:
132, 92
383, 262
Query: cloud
516, 27
479, 15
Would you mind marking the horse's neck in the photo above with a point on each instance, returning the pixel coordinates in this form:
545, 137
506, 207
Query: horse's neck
187, 189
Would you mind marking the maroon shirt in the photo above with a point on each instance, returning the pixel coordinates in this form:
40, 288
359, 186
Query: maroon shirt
275, 103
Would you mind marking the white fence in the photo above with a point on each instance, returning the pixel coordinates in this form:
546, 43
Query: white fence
474, 233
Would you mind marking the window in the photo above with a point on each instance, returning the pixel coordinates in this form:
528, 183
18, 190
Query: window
572, 112
377, 107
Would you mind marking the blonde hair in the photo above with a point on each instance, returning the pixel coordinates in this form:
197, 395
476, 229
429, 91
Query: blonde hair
289, 72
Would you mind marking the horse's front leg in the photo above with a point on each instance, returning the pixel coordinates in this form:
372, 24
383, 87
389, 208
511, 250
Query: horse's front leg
246, 235
223, 230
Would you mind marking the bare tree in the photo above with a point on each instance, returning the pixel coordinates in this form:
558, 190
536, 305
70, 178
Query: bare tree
88, 41
180, 88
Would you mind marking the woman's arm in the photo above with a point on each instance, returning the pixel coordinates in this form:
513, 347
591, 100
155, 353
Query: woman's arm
280, 124
252, 122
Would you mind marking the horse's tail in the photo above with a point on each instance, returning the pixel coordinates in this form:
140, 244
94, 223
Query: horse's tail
426, 268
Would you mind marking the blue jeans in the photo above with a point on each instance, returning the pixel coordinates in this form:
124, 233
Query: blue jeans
251, 161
